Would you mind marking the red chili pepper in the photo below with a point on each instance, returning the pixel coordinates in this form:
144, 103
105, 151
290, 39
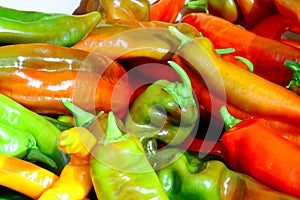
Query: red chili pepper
289, 8
252, 147
166, 10
294, 43
267, 55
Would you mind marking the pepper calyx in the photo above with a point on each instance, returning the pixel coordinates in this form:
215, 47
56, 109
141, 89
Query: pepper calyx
229, 120
199, 5
295, 67
181, 92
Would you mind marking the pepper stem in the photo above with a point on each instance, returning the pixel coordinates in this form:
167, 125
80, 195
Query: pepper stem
225, 51
246, 61
183, 38
199, 4
228, 119
82, 118
182, 93
295, 67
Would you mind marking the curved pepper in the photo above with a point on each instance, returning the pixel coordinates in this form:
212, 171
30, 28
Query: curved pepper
120, 169
45, 133
74, 181
21, 144
267, 55
25, 177
185, 176
246, 94
165, 111
251, 146
39, 76
17, 26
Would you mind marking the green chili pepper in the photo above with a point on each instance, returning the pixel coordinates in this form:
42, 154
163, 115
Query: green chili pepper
165, 111
45, 133
21, 144
61, 125
120, 169
9, 194
186, 176
18, 26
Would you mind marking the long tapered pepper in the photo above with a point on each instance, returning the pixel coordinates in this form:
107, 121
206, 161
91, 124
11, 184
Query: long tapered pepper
45, 133
120, 169
245, 94
25, 177
74, 181
267, 55
186, 176
17, 26
39, 76
251, 146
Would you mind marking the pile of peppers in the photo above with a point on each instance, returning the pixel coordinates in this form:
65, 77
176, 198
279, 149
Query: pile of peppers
163, 99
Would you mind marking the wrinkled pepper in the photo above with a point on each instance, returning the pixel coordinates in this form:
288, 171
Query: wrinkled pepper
267, 55
74, 181
125, 9
166, 10
186, 176
21, 144
245, 94
25, 177
252, 147
18, 26
120, 169
45, 133
39, 76
294, 84
166, 111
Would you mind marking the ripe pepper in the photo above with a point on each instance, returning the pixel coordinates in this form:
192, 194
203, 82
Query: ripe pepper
25, 177
39, 76
18, 26
74, 181
186, 176
290, 9
267, 55
166, 111
21, 144
266, 156
45, 133
120, 169
166, 10
245, 94
125, 9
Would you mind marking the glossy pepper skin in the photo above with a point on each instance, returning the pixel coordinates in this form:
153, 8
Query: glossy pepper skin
74, 181
45, 133
21, 144
267, 55
25, 177
165, 111
266, 156
247, 94
17, 26
39, 76
289, 8
166, 10
186, 176
120, 169
125, 9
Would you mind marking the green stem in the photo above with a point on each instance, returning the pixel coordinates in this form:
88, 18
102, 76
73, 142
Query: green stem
82, 118
228, 119
182, 37
199, 5
225, 51
182, 93
246, 61
295, 67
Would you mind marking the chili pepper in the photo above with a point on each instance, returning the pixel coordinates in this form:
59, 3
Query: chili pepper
267, 55
125, 9
120, 169
25, 177
268, 157
21, 144
290, 9
39, 76
124, 41
9, 194
254, 11
165, 111
61, 125
245, 94
19, 26
166, 10
295, 82
20, 118
186, 176
74, 181
291, 42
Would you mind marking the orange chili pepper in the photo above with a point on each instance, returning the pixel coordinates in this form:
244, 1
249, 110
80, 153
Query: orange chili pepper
166, 10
